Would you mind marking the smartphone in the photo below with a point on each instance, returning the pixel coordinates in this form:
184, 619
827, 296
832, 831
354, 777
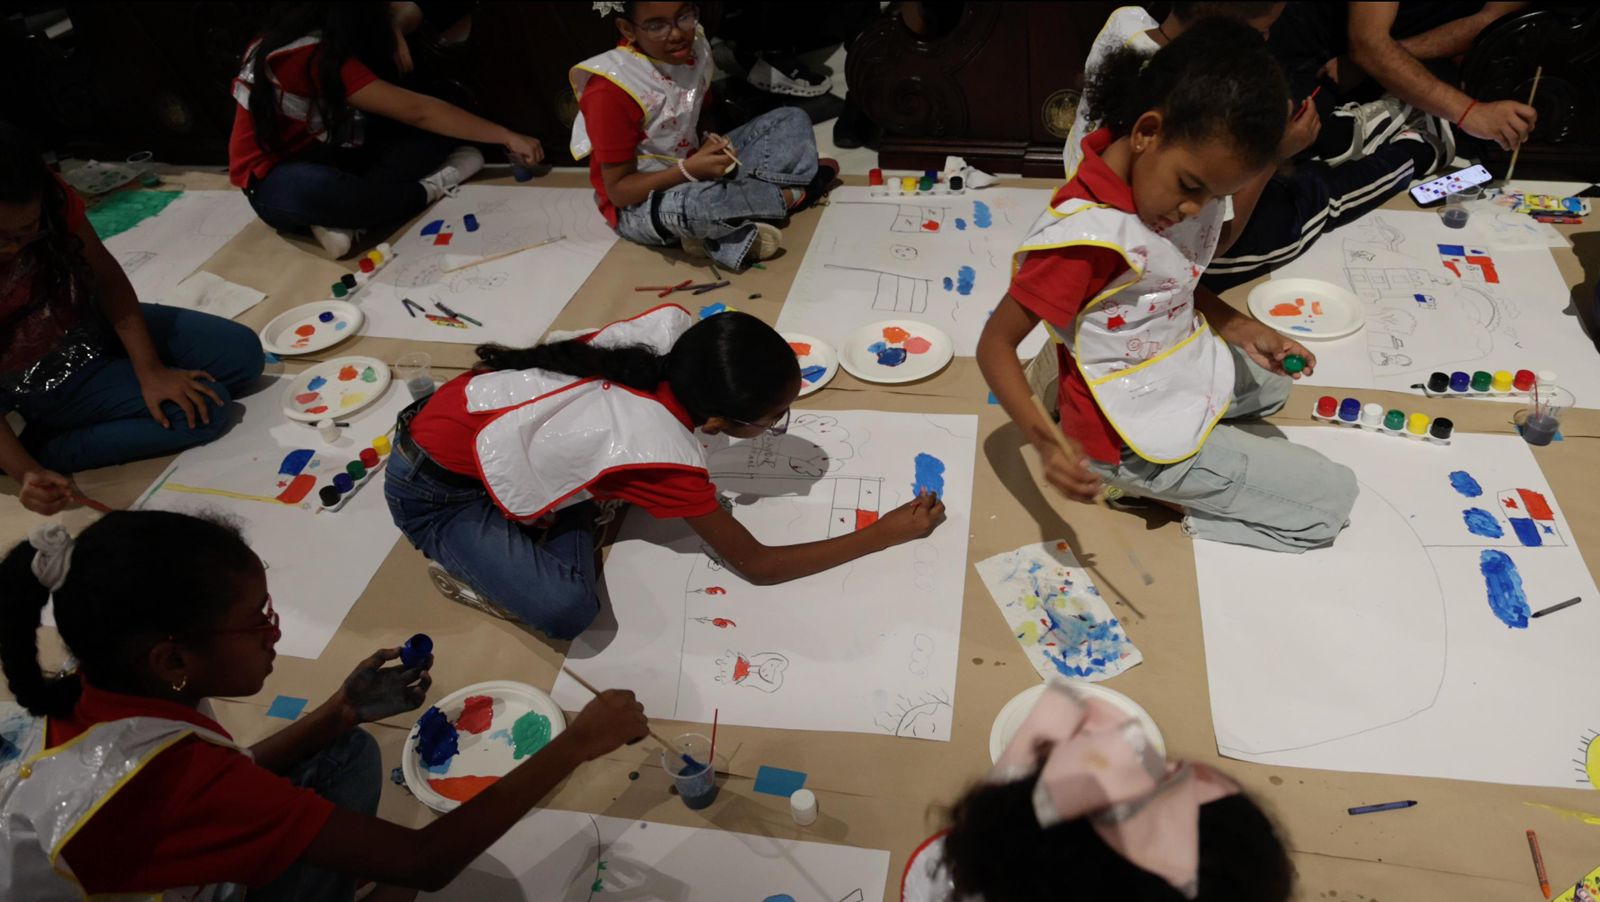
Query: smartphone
1429, 193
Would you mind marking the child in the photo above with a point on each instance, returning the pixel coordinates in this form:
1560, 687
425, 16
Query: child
639, 122
1079, 786
99, 378
117, 781
494, 471
1112, 267
321, 142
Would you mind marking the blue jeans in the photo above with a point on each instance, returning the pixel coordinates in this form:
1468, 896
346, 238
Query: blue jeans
545, 577
776, 150
348, 773
98, 416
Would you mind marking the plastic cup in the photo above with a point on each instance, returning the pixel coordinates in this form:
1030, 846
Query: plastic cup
416, 371
1457, 207
697, 782
143, 165
1542, 421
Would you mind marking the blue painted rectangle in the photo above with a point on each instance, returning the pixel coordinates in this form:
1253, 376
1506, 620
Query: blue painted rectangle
287, 707
776, 781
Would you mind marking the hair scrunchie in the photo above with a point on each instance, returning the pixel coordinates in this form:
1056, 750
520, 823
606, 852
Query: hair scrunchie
52, 557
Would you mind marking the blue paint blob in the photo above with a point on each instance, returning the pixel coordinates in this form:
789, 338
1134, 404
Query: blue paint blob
981, 217
929, 475
781, 897
712, 310
966, 277
1463, 482
961, 224
1527, 531
891, 356
1504, 586
316, 383
436, 739
340, 326
433, 228
295, 461
877, 347
1482, 523
470, 221
813, 373
949, 283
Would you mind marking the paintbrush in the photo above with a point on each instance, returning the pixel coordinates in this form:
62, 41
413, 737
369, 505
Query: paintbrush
525, 247
1531, 91
687, 759
88, 502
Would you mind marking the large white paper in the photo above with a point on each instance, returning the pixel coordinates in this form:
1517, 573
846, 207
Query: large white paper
1055, 611
515, 297
866, 647
211, 293
1385, 653
940, 259
163, 250
1437, 300
568, 856
318, 563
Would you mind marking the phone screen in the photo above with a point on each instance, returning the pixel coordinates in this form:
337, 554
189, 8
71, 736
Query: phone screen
1430, 193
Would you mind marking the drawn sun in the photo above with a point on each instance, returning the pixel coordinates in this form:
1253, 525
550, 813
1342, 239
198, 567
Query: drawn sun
1588, 759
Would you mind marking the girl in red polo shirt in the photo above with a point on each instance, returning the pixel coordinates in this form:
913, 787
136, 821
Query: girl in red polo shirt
1150, 360
496, 475
114, 780
322, 142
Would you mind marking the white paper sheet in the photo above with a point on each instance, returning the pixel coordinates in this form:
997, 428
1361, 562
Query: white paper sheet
211, 293
568, 856
1383, 653
1494, 223
1055, 611
875, 258
1436, 301
163, 250
515, 297
866, 647
318, 564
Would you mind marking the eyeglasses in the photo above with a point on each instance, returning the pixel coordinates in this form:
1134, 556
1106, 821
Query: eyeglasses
656, 29
271, 626
776, 427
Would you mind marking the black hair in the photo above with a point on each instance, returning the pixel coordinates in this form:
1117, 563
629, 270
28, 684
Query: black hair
135, 578
730, 365
347, 29
1214, 81
995, 846
25, 178
1189, 12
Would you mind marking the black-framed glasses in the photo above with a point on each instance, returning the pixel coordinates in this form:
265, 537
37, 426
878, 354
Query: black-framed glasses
656, 29
776, 427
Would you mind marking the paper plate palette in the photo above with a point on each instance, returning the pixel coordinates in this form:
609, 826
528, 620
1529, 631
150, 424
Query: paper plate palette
1015, 711
336, 388
818, 361
311, 327
1309, 309
896, 351
475, 736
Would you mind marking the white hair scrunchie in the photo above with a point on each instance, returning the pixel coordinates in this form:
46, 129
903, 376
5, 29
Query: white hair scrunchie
52, 557
607, 7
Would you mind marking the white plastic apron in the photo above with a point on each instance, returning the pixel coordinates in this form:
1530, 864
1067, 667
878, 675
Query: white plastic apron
670, 96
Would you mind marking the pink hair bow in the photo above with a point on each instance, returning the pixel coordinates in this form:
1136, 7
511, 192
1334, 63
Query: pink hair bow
1098, 762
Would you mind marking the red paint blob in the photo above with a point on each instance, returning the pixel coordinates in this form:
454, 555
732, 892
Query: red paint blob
306, 397
461, 789
800, 348
722, 623
895, 334
477, 712
741, 669
348, 373
306, 329
865, 518
320, 408
930, 226
716, 590
918, 345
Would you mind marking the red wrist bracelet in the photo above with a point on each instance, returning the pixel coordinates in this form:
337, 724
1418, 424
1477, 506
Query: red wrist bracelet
1463, 117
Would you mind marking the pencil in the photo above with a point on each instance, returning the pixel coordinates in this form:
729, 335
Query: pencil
518, 250
714, 273
1513, 167
1538, 864
1383, 806
1557, 607
457, 314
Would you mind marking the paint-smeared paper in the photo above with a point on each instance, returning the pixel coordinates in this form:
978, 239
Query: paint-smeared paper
567, 856
943, 259
868, 646
162, 251
1055, 611
1407, 647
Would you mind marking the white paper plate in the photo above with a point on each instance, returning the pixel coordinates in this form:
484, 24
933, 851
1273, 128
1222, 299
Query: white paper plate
336, 388
488, 753
1308, 309
896, 351
818, 353
311, 327
1015, 711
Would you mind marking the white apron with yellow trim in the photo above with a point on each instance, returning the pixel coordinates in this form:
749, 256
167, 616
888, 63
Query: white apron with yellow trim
1155, 368
556, 434
294, 106
669, 95
1125, 27
47, 794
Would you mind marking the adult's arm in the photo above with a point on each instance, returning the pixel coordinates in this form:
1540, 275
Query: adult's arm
1455, 37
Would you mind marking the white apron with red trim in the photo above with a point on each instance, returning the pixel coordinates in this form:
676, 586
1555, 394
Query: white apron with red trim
294, 106
556, 434
47, 794
1154, 366
670, 96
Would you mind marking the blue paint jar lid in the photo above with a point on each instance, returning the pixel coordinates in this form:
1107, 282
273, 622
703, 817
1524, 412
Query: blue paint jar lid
416, 650
1349, 410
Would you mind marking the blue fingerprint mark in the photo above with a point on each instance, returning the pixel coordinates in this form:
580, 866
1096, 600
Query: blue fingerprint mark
949, 283
889, 356
1482, 523
966, 277
316, 383
1463, 482
929, 475
981, 217
961, 224
470, 221
433, 228
1504, 586
813, 373
295, 461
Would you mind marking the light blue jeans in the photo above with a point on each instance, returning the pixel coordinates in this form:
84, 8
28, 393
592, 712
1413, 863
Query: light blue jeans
776, 150
348, 773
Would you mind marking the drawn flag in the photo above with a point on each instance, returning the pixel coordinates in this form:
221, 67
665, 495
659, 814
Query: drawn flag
1469, 264
1530, 517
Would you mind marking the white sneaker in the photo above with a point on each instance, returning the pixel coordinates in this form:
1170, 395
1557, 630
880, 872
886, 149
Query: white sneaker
462, 164
798, 83
1375, 123
768, 239
336, 242
1433, 131
460, 593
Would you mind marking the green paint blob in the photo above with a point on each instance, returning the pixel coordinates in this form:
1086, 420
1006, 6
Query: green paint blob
369, 375
529, 734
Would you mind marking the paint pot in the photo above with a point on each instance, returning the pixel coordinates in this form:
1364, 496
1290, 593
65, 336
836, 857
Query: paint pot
328, 429
386, 250
367, 265
931, 175
926, 185
375, 256
908, 184
343, 483
329, 495
1439, 382
349, 279
356, 469
381, 445
1481, 380
957, 183
1546, 379
1501, 381
339, 290
803, 807
875, 177
416, 650
521, 173
697, 782
1441, 429
1418, 424
369, 458
1327, 406
1350, 410
1293, 363
1460, 381
1524, 380
1395, 420
1372, 415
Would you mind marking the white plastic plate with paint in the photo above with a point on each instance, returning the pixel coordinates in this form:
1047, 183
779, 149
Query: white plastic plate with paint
1308, 309
336, 388
493, 723
1010, 718
311, 327
819, 362
896, 351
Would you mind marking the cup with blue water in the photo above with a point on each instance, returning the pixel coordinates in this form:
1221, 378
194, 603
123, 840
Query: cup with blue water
1458, 206
688, 760
1542, 422
416, 371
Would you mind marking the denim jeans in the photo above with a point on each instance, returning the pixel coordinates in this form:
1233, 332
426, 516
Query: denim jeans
368, 187
545, 577
348, 773
98, 416
776, 150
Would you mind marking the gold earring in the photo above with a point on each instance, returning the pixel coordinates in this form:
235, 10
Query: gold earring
179, 685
